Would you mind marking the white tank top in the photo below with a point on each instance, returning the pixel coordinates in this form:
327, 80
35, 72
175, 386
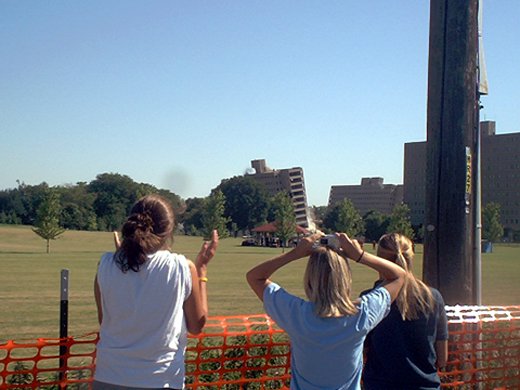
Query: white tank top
143, 334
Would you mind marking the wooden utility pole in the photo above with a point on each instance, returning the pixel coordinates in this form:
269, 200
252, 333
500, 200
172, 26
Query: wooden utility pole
451, 135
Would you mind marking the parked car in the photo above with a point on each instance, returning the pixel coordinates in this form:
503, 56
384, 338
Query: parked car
249, 242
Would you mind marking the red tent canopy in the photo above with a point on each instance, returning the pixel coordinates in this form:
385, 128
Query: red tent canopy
271, 228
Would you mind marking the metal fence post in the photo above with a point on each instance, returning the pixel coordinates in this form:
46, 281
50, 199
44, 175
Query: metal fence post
64, 316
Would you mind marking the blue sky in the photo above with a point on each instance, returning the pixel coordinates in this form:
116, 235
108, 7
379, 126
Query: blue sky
181, 94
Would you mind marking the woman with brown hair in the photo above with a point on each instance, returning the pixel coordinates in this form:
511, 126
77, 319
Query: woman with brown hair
405, 350
148, 299
327, 330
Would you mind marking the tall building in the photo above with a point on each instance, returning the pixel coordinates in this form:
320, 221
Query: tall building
289, 180
500, 175
414, 180
372, 194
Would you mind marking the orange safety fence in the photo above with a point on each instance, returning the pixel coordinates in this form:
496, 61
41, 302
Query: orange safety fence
250, 351
483, 348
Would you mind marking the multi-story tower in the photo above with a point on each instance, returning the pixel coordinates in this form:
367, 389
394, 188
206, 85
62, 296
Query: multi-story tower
500, 175
414, 180
372, 194
289, 180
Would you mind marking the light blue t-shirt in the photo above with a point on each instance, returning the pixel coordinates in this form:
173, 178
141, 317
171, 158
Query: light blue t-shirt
326, 353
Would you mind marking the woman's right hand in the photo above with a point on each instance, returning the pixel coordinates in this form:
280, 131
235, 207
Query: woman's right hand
304, 246
117, 240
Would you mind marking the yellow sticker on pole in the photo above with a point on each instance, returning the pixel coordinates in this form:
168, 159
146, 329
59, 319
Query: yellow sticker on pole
468, 170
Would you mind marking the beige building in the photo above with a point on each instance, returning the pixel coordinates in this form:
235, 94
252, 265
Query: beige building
290, 180
500, 175
372, 194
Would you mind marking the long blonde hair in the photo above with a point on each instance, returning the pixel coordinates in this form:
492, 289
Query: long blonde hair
415, 297
327, 283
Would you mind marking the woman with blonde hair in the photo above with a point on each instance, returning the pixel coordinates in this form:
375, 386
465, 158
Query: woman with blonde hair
327, 330
406, 349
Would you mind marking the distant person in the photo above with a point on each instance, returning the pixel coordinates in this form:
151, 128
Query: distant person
148, 299
327, 330
405, 350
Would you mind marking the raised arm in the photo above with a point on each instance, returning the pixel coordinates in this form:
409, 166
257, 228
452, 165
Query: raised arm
196, 306
392, 274
258, 276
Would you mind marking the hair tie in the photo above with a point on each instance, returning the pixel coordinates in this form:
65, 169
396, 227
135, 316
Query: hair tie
360, 256
143, 221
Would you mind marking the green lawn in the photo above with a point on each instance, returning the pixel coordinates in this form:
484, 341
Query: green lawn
30, 279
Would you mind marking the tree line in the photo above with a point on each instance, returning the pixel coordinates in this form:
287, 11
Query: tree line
237, 204
101, 204
345, 218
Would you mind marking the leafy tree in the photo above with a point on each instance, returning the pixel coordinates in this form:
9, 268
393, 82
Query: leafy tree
343, 217
246, 201
102, 204
19, 205
330, 218
77, 207
213, 215
7, 214
376, 224
400, 221
492, 229
192, 216
48, 217
115, 195
284, 217
9, 217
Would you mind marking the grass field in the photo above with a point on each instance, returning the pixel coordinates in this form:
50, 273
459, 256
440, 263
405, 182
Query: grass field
30, 279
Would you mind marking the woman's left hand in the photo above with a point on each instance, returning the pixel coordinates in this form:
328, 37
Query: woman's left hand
351, 247
207, 251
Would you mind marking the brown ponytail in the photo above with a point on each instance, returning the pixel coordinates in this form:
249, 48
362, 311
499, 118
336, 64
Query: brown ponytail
148, 229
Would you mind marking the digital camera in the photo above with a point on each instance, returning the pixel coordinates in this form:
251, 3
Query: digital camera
330, 240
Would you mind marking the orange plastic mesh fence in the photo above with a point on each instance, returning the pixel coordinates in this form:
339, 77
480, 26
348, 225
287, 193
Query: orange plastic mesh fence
36, 365
236, 351
484, 348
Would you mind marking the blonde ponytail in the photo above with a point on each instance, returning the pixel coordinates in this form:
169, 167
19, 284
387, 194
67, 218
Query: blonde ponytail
415, 297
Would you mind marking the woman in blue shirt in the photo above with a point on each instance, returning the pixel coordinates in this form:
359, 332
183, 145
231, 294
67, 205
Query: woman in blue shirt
327, 330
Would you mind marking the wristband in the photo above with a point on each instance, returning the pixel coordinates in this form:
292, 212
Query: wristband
360, 257
203, 279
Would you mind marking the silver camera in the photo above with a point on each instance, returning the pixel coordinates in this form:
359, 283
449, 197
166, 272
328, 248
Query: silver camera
329, 240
